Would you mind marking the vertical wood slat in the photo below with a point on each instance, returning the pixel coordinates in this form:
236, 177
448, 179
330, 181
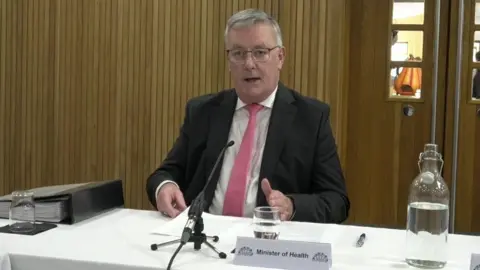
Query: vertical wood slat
3, 60
96, 89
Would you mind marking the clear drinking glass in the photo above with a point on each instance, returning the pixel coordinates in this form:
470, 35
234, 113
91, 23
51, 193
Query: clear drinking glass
22, 212
266, 222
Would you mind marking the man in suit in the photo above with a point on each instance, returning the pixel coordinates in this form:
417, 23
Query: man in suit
476, 80
284, 153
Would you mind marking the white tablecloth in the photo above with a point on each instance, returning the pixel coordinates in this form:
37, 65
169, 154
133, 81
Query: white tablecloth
121, 240
4, 259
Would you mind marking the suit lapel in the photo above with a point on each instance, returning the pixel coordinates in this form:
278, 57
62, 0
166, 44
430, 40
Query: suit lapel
283, 113
221, 117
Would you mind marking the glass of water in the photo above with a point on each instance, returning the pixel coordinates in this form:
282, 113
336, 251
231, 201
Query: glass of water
266, 222
22, 212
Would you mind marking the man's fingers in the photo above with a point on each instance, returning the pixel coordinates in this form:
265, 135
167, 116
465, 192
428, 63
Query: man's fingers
281, 204
168, 208
266, 188
277, 198
180, 201
276, 195
170, 201
275, 203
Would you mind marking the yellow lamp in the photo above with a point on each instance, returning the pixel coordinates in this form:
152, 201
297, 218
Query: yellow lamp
409, 80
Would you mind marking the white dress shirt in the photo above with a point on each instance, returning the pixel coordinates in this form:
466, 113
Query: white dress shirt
239, 125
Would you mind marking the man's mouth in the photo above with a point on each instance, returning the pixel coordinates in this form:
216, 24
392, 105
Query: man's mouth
252, 79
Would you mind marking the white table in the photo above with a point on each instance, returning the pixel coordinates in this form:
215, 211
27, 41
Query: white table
4, 261
4, 258
121, 239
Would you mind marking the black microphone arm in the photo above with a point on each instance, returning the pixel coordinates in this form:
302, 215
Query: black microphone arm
220, 157
193, 230
194, 214
196, 208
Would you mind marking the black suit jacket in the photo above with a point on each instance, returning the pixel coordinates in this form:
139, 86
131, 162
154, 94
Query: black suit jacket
476, 85
300, 157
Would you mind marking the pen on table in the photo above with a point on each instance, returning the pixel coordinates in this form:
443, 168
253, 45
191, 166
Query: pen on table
361, 240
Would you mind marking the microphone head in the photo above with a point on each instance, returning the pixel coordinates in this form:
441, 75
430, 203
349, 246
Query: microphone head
230, 143
153, 247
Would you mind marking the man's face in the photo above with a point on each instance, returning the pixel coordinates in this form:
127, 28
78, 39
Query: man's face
255, 73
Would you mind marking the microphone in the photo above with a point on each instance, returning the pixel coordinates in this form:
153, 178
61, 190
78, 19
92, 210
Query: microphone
197, 206
195, 218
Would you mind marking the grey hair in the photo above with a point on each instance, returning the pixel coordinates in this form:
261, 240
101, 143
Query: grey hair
249, 17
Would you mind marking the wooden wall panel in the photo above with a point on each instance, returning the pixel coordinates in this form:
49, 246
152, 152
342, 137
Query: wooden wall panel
95, 89
384, 143
467, 169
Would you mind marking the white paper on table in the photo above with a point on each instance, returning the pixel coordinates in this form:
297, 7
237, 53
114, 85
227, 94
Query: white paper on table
213, 224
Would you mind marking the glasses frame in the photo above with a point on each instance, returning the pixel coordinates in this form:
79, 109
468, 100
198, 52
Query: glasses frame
245, 54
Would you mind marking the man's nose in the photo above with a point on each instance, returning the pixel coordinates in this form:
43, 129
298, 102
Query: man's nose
249, 62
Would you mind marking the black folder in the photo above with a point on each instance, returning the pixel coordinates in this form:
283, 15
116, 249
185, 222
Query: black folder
70, 204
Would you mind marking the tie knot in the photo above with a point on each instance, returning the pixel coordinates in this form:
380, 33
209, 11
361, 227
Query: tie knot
254, 108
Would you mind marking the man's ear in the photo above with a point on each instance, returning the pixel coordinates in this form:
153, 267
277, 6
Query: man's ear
282, 53
281, 57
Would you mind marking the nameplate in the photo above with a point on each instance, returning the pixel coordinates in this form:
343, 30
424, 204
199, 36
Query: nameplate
475, 262
282, 254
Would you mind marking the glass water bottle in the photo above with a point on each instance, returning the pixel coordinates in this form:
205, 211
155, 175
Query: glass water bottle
428, 213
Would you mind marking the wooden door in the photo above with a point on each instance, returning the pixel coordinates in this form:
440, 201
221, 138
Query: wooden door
390, 115
462, 136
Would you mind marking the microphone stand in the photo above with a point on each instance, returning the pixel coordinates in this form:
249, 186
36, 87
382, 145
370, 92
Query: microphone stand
198, 237
195, 216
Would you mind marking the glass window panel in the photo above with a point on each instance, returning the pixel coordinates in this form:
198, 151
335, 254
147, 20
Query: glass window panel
476, 47
476, 84
408, 12
407, 45
406, 82
477, 12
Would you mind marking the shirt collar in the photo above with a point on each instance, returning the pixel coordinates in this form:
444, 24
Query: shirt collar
268, 102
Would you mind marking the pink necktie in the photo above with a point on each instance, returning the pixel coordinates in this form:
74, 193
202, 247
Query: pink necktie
235, 195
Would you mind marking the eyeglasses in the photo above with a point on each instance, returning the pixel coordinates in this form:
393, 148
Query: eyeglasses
258, 55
